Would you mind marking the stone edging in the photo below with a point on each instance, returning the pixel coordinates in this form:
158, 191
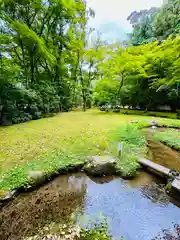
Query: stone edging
39, 181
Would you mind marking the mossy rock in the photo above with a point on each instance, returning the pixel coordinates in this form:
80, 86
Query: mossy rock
100, 165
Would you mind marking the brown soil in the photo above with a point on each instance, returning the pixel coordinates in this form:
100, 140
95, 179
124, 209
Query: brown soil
30, 212
163, 155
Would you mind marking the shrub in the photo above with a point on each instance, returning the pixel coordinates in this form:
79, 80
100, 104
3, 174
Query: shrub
133, 145
178, 114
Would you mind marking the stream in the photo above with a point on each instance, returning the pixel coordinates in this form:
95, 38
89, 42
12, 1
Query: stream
136, 209
160, 153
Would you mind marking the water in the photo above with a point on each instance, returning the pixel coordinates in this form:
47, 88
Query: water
136, 209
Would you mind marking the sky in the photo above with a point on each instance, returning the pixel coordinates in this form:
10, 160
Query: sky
111, 15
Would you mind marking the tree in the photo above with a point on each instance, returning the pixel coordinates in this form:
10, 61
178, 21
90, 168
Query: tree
146, 76
142, 26
120, 66
167, 21
37, 40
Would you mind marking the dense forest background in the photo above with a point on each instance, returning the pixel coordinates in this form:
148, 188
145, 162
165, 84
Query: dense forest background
52, 61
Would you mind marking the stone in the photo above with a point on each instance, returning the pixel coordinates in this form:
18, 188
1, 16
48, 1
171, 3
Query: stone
36, 174
38, 177
133, 121
153, 127
153, 123
8, 196
100, 165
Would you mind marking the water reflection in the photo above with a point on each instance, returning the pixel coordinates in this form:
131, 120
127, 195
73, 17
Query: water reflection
142, 179
169, 234
136, 209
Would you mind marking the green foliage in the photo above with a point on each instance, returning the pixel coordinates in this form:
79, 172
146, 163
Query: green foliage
119, 68
146, 113
170, 138
130, 134
98, 231
18, 176
145, 76
41, 54
143, 27
167, 21
128, 164
53, 63
155, 24
105, 92
133, 146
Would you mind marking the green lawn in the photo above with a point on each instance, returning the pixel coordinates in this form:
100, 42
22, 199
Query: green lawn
170, 137
49, 143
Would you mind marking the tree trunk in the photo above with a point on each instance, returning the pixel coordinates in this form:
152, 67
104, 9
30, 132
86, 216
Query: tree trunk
84, 102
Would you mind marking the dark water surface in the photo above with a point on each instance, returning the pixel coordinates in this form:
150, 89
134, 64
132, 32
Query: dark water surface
136, 209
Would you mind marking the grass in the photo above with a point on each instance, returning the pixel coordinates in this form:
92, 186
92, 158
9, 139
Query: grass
134, 144
67, 138
150, 113
170, 137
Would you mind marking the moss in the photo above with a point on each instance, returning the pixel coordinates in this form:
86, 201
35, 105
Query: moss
51, 165
61, 142
170, 137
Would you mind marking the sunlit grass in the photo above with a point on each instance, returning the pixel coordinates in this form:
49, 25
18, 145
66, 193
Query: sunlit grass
70, 136
169, 137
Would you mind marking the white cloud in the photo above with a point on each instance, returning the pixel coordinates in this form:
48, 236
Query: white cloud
118, 10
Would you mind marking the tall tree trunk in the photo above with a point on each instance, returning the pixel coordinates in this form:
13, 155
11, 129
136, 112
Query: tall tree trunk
84, 100
83, 88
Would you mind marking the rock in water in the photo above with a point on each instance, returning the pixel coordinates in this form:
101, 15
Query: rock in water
8, 196
101, 165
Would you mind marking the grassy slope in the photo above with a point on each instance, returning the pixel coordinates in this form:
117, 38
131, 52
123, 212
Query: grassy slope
46, 144
170, 138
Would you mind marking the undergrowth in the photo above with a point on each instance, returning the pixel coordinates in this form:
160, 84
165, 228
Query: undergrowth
171, 138
134, 145
19, 176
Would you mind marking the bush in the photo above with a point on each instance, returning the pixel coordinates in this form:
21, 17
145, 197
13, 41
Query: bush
97, 231
18, 104
178, 114
130, 135
134, 144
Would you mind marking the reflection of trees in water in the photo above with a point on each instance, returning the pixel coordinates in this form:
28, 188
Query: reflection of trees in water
102, 180
156, 193
55, 202
169, 234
